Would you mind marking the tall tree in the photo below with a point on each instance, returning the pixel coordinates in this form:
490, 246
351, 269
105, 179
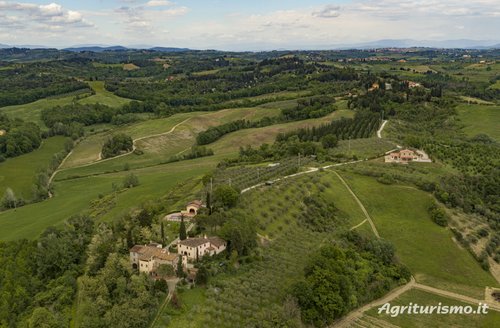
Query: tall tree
162, 231
182, 230
209, 202
180, 269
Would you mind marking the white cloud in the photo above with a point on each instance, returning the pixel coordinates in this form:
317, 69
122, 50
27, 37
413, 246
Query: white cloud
50, 15
159, 3
146, 21
51, 10
329, 11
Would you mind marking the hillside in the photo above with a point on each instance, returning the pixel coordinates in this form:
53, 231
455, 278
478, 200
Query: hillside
314, 186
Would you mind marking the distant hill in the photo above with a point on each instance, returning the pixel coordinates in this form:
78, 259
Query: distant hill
167, 49
100, 48
409, 43
22, 46
96, 48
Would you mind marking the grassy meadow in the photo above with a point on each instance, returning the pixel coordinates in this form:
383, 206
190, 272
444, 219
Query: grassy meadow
400, 215
18, 173
75, 196
480, 119
160, 149
31, 112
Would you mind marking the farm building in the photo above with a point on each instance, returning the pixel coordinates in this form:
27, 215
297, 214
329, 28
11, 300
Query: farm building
147, 258
191, 211
195, 248
192, 208
404, 156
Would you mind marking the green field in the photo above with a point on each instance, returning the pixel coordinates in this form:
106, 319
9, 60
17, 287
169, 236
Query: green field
431, 320
400, 215
74, 196
31, 112
480, 119
157, 148
18, 173
103, 96
161, 148
88, 150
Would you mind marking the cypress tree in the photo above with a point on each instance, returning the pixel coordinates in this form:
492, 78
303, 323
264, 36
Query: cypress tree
180, 270
209, 202
182, 230
162, 231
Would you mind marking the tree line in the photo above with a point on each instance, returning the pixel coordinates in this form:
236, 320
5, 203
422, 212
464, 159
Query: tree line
363, 125
17, 137
313, 107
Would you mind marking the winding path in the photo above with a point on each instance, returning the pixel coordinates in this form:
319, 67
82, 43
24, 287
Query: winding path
365, 212
379, 132
59, 169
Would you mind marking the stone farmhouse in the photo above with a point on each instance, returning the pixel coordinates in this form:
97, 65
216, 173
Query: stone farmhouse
196, 248
147, 258
190, 212
406, 155
192, 208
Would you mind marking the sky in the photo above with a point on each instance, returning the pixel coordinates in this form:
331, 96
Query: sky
243, 25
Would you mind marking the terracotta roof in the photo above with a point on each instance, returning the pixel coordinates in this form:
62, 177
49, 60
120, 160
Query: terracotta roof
195, 242
197, 203
136, 249
217, 242
146, 253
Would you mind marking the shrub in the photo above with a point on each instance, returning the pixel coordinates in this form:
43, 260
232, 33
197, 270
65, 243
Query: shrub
386, 179
130, 181
438, 215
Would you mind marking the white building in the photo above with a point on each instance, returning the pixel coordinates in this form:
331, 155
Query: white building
196, 248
